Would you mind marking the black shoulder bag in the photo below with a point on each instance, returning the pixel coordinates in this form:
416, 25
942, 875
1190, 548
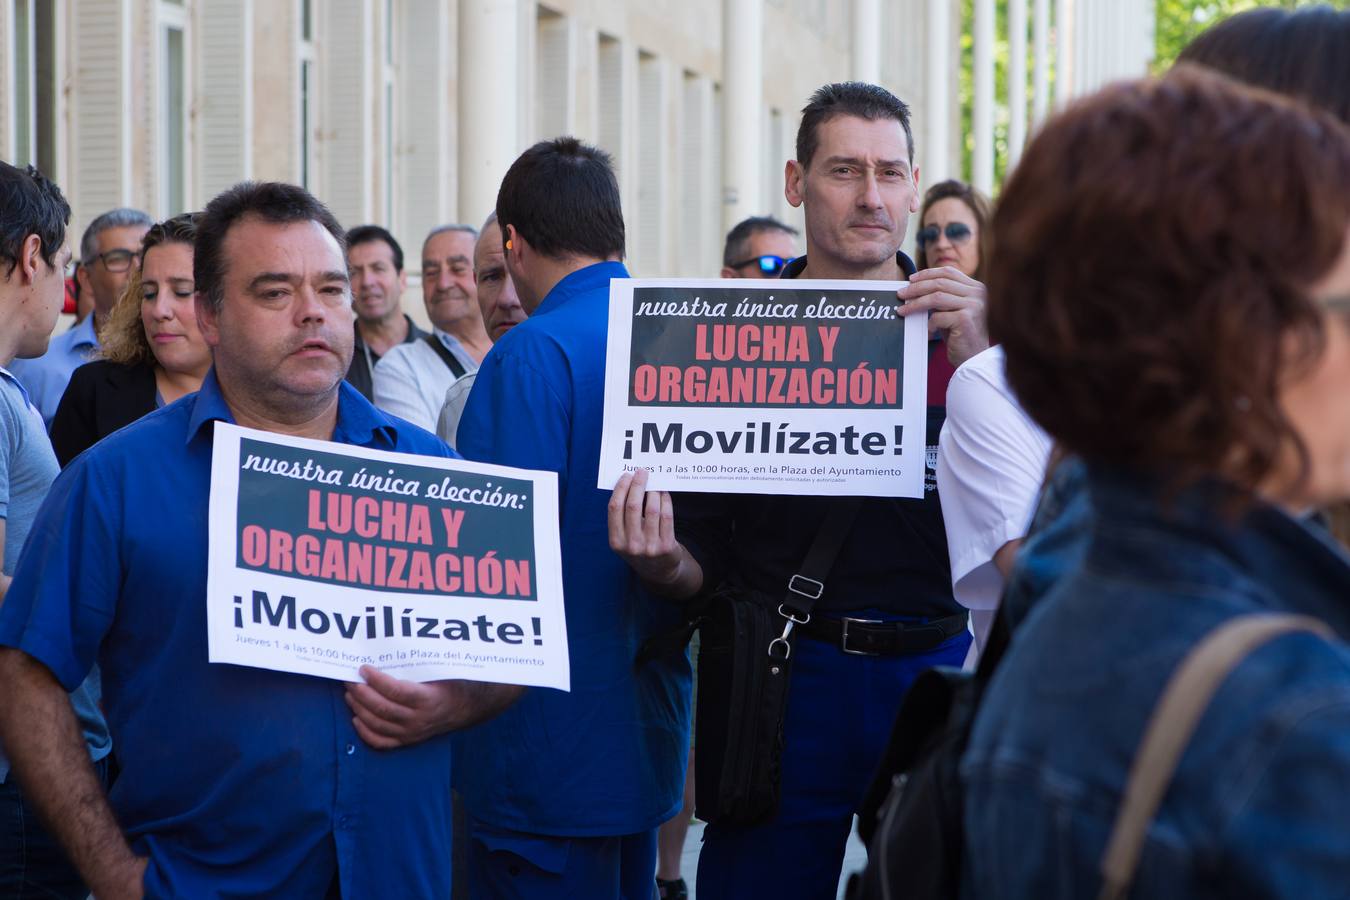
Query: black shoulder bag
911, 816
744, 666
456, 367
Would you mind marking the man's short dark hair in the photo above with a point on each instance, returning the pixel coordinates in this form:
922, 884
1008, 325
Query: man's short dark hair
365, 234
271, 201
30, 204
737, 238
849, 98
562, 197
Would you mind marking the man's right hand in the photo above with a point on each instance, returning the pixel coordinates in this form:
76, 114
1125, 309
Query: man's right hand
48, 753
642, 532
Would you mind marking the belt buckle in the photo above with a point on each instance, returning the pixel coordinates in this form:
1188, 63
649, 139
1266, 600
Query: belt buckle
843, 638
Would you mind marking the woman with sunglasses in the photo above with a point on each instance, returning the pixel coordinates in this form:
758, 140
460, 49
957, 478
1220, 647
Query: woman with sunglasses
952, 230
152, 353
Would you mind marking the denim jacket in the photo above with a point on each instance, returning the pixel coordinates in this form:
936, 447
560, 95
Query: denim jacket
1258, 806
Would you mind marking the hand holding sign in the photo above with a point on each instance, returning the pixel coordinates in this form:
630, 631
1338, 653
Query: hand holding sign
955, 305
389, 712
329, 559
642, 532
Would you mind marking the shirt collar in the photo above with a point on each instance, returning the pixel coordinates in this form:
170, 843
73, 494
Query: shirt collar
1311, 571
83, 334
795, 268
449, 340
358, 422
582, 280
413, 332
7, 375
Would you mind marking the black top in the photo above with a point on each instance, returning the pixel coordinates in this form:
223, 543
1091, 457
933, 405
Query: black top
102, 397
895, 557
364, 359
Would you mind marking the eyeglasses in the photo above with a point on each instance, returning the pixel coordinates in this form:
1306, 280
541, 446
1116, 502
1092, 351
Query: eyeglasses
769, 265
117, 260
957, 233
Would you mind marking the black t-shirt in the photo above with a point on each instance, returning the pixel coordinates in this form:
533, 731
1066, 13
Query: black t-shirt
895, 557
361, 374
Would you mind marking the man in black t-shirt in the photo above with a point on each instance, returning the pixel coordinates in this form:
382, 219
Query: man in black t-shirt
854, 175
375, 265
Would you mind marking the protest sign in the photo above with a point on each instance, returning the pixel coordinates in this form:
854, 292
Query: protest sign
765, 387
325, 557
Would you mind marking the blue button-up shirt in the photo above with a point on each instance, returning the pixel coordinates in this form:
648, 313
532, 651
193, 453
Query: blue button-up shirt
46, 377
609, 757
235, 781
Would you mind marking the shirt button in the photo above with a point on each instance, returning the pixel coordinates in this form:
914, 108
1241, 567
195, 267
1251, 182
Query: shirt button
351, 748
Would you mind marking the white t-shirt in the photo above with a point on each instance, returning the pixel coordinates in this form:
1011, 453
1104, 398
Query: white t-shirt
410, 380
991, 463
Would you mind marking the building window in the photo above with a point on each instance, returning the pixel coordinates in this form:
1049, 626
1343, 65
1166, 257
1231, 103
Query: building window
390, 117
694, 187
33, 56
552, 75
24, 83
651, 212
609, 97
308, 100
173, 115
718, 165
774, 161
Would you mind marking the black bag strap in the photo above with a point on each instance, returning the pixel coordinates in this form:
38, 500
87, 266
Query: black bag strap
456, 367
806, 586
999, 636
816, 565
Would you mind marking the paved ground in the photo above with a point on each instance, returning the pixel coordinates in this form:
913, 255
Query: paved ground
855, 857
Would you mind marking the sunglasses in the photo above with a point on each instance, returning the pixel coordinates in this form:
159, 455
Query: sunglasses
957, 233
769, 265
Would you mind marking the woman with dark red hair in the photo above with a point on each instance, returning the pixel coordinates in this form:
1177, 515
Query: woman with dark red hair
1171, 284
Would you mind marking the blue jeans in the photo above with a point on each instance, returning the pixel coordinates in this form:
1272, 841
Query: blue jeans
512, 865
32, 863
840, 711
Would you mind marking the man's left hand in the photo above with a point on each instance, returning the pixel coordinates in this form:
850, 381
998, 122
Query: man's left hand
390, 712
955, 305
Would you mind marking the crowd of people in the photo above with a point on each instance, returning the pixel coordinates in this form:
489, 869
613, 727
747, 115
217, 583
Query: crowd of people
1138, 427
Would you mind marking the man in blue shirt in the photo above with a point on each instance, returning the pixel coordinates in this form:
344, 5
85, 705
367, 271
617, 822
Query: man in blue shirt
566, 790
235, 781
110, 247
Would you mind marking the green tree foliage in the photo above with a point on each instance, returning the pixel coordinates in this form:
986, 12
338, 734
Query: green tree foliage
1176, 24
966, 88
1179, 21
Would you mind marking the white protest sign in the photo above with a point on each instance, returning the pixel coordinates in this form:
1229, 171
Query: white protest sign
765, 387
325, 557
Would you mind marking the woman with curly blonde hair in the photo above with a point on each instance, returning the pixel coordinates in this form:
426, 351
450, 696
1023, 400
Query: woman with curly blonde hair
152, 353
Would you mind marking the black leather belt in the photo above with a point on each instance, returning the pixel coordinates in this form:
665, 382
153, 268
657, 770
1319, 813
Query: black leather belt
868, 637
